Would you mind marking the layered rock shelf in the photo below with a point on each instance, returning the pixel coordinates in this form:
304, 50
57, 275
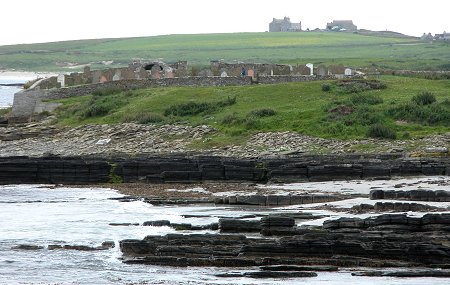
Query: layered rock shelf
386, 240
191, 169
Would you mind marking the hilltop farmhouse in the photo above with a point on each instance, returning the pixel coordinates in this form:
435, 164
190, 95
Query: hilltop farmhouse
284, 25
341, 25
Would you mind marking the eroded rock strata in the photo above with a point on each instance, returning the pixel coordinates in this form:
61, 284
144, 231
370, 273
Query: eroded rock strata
195, 169
385, 240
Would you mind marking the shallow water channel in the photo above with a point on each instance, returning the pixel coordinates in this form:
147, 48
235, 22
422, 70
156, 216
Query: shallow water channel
42, 215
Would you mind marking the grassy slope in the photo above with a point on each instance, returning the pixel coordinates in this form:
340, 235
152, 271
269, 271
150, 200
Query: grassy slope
330, 48
301, 107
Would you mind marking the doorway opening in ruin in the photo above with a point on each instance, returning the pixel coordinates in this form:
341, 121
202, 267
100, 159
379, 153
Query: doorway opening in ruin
150, 66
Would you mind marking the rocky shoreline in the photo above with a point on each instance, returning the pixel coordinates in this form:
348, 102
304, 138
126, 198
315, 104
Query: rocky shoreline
39, 139
299, 232
282, 246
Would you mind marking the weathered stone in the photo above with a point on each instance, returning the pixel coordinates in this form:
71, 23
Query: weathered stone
405, 274
298, 268
27, 247
413, 195
159, 223
277, 221
123, 224
238, 225
279, 274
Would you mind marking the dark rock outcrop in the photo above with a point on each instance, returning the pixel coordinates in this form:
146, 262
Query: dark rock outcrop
269, 274
27, 247
412, 195
406, 274
276, 200
104, 246
385, 240
189, 169
394, 207
239, 225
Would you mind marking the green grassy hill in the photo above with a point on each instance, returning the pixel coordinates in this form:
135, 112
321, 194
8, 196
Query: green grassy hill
317, 47
395, 107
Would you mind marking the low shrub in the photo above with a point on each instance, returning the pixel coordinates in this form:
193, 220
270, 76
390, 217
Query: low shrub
368, 99
194, 108
143, 118
264, 112
231, 119
251, 123
381, 131
424, 98
326, 87
102, 105
359, 85
366, 116
432, 114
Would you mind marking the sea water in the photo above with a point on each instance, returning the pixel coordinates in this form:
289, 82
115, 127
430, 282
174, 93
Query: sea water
43, 215
7, 92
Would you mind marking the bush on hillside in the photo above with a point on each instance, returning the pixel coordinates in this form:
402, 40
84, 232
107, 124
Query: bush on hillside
326, 87
143, 118
194, 108
368, 99
100, 105
264, 112
432, 114
424, 98
359, 85
231, 119
381, 131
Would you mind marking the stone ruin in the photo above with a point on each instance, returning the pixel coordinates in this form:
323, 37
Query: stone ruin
135, 70
156, 70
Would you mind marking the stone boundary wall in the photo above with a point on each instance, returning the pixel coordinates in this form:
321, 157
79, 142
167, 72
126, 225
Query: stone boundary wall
196, 169
421, 73
146, 83
28, 102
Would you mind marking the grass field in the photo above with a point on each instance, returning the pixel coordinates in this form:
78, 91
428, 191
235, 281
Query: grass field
347, 110
352, 50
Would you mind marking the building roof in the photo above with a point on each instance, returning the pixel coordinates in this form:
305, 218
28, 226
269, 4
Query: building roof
342, 22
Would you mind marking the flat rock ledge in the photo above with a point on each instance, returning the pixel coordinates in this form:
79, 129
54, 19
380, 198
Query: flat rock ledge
195, 169
389, 240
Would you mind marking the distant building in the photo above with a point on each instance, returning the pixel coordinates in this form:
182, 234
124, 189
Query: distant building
284, 25
427, 37
341, 25
442, 37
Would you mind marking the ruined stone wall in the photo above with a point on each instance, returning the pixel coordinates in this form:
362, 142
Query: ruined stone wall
290, 78
235, 69
261, 69
23, 105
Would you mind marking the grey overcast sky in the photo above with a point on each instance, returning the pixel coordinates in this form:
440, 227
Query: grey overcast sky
31, 21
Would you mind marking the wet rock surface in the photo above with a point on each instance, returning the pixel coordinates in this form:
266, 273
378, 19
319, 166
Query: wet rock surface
383, 240
405, 274
413, 195
197, 169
